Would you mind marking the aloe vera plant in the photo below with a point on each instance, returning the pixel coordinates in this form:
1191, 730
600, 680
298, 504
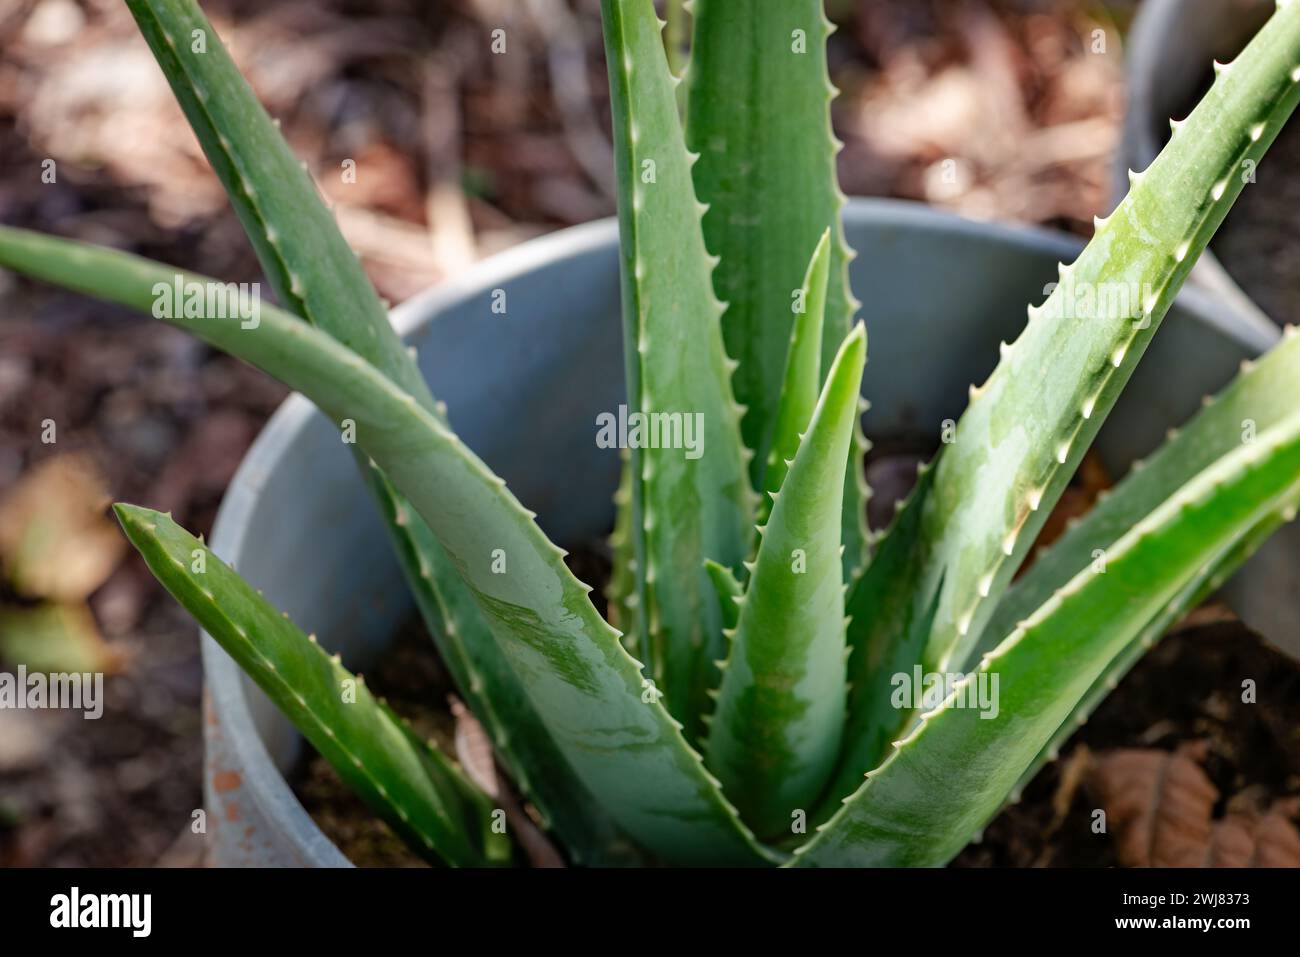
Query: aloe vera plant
760, 721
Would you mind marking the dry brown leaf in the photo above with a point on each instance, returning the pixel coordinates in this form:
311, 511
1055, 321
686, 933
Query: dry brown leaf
1160, 807
1074, 771
54, 638
474, 750
1277, 842
56, 541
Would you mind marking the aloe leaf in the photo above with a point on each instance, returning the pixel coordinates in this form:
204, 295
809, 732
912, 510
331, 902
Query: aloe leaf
590, 695
687, 505
420, 793
759, 97
1211, 578
495, 695
1028, 426
956, 767
603, 715
776, 732
481, 672
729, 592
311, 267
801, 383
316, 274
876, 655
1265, 393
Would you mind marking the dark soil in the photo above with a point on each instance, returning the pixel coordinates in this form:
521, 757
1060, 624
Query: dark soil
1259, 242
1188, 689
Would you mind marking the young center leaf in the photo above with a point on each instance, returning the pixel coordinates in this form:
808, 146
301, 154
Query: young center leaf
776, 731
801, 383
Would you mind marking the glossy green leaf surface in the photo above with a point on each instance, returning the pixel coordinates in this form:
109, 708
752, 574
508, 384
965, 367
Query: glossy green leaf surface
420, 793
1265, 393
688, 504
957, 766
1210, 579
1028, 426
482, 673
801, 384
872, 722
496, 696
604, 717
758, 114
315, 273
776, 731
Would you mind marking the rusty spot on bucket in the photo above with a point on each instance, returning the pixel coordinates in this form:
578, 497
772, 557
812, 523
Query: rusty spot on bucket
223, 781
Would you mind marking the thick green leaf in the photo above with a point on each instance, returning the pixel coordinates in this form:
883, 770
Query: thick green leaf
1266, 392
311, 267
478, 666
803, 373
423, 795
496, 696
759, 98
776, 732
687, 505
1027, 428
960, 762
1263, 395
1210, 579
603, 716
872, 722
590, 694
316, 274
